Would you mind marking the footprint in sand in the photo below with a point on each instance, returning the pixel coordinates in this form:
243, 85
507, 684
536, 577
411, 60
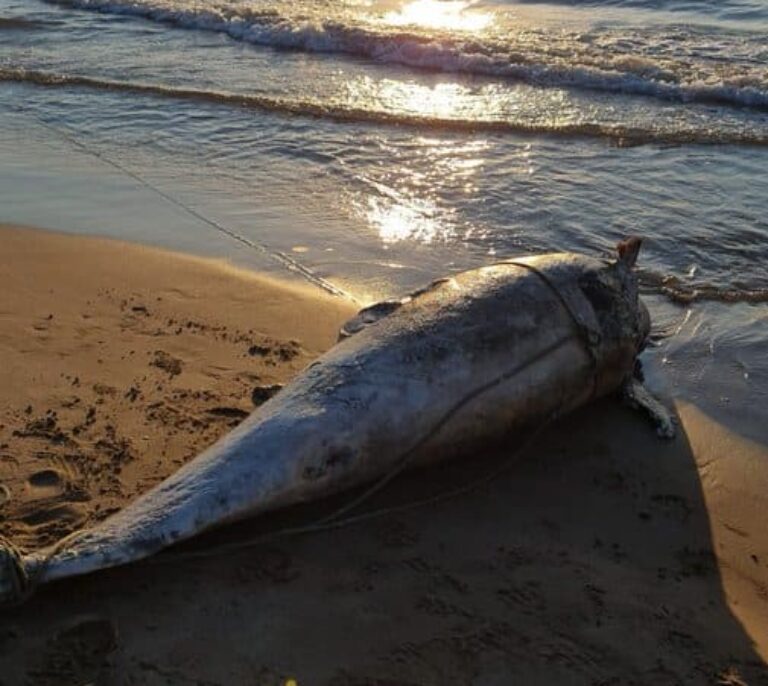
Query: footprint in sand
51, 508
47, 483
55, 480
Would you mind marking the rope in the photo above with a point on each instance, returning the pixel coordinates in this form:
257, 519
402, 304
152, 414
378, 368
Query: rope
330, 523
590, 338
280, 257
406, 457
335, 520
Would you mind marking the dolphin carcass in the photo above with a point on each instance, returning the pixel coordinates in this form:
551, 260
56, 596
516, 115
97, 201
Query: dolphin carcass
463, 362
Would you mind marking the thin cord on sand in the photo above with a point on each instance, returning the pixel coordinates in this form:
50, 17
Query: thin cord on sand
333, 522
280, 257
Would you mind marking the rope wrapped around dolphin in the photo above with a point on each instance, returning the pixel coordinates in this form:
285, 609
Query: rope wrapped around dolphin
466, 361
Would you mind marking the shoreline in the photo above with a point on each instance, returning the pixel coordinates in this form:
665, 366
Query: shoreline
610, 555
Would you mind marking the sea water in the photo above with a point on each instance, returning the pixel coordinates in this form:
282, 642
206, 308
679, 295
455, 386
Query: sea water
372, 145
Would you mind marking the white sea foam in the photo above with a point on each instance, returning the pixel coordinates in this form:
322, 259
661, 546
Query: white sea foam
676, 66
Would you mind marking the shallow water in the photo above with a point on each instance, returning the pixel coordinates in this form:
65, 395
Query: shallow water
379, 144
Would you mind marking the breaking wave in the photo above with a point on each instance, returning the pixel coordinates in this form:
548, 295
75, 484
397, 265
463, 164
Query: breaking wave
678, 68
622, 136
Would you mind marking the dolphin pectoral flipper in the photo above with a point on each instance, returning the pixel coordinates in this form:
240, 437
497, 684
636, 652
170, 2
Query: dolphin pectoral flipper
639, 397
373, 313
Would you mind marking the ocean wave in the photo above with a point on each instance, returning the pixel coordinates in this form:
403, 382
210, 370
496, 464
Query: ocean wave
621, 136
686, 72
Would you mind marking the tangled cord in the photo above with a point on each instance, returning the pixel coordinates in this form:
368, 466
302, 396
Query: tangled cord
19, 578
15, 583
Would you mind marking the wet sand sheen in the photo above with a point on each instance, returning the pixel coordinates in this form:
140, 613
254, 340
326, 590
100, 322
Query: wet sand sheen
604, 554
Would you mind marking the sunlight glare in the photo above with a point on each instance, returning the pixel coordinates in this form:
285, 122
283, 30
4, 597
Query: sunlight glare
439, 14
412, 218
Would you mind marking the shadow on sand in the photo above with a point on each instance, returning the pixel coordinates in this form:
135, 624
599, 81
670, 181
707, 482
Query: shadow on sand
590, 561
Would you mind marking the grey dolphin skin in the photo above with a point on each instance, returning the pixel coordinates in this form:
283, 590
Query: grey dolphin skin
466, 361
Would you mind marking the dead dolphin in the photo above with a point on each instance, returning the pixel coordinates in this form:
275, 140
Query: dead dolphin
465, 361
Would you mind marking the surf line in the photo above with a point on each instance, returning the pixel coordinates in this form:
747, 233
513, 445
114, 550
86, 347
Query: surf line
285, 261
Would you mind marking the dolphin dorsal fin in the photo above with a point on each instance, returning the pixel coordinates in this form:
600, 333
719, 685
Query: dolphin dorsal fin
369, 315
373, 313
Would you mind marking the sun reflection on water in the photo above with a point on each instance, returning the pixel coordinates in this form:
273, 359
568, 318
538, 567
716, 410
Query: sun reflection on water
417, 201
411, 218
441, 100
444, 100
439, 14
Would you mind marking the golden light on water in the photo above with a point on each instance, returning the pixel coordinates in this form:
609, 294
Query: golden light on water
443, 100
439, 14
411, 218
415, 197
412, 201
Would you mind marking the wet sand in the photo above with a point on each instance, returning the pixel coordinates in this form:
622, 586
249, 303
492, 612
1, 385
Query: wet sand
602, 556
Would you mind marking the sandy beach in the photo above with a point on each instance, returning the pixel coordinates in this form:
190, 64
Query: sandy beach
602, 556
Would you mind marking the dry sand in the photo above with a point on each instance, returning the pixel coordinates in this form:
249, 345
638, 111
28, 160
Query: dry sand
603, 556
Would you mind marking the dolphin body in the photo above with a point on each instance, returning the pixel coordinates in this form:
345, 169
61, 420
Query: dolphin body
463, 362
